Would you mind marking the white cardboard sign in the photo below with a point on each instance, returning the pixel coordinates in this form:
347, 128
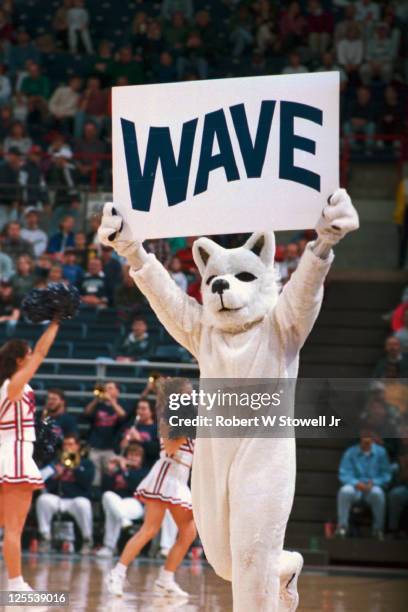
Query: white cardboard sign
226, 155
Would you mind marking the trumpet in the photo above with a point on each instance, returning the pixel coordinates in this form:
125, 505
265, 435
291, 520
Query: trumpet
70, 460
99, 391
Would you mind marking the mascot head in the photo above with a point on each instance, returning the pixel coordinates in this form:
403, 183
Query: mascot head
238, 285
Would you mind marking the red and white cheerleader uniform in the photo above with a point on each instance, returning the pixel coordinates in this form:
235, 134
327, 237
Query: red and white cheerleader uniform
168, 478
17, 437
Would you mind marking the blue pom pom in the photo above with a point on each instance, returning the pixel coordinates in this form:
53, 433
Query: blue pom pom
57, 301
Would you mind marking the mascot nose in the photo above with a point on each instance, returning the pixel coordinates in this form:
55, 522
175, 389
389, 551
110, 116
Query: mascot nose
219, 286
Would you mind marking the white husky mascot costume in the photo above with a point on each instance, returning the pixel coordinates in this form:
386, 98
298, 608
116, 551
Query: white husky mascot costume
243, 488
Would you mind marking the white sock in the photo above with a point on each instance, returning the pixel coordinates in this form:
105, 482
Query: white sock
14, 583
165, 575
121, 569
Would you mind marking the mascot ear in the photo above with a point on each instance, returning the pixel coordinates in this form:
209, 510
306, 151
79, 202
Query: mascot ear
263, 245
203, 248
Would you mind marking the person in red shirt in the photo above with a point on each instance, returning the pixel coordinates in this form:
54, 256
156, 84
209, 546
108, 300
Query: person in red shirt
320, 27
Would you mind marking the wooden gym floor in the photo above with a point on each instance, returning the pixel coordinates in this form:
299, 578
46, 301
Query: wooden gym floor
340, 590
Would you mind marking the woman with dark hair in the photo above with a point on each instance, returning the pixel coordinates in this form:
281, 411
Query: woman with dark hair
19, 475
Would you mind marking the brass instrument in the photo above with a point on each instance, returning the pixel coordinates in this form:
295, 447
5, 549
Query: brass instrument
70, 460
99, 391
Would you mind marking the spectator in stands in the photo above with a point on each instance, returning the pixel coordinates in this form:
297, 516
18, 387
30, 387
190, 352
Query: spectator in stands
328, 64
350, 52
383, 420
292, 26
128, 298
394, 364
32, 180
126, 66
43, 266
6, 28
89, 151
9, 305
112, 270
361, 121
193, 58
63, 239
341, 28
18, 53
121, 508
295, 66
165, 70
55, 274
367, 11
102, 61
106, 415
93, 106
60, 23
83, 252
14, 245
401, 218
24, 278
392, 115
194, 285
137, 344
319, 26
379, 56
5, 86
92, 239
170, 7
78, 26
35, 84
32, 233
71, 271
241, 31
185, 254
364, 472
402, 334
142, 429
176, 273
160, 248
93, 285
6, 266
55, 407
10, 188
290, 261
17, 139
398, 496
68, 490
61, 165
64, 104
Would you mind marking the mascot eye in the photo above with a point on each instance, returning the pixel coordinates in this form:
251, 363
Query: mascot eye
210, 278
246, 277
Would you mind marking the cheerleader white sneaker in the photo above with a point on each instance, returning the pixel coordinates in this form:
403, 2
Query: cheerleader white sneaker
168, 588
114, 583
290, 566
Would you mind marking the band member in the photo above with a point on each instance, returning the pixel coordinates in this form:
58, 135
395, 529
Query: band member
19, 475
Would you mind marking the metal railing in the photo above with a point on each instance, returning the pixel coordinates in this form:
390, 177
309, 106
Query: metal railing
102, 376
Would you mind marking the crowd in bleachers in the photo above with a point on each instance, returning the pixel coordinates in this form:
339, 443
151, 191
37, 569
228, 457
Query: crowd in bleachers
59, 59
375, 470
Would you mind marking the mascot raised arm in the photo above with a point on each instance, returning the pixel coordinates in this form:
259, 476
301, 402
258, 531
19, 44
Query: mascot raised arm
243, 488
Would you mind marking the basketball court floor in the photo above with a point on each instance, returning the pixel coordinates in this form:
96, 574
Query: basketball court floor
340, 590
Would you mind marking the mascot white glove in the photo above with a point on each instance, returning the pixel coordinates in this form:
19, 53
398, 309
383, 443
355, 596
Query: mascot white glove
109, 234
338, 218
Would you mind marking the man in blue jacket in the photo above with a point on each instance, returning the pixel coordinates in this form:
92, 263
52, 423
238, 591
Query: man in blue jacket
364, 473
68, 490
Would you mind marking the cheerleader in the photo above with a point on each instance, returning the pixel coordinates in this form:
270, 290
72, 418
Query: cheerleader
164, 488
19, 475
